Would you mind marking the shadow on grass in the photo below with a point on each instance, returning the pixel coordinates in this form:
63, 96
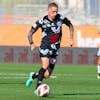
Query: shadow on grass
74, 94
65, 95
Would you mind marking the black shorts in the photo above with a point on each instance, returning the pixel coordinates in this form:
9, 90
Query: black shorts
48, 49
50, 53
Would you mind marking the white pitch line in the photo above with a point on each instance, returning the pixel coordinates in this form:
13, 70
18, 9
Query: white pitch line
13, 77
53, 76
17, 76
14, 74
24, 75
9, 77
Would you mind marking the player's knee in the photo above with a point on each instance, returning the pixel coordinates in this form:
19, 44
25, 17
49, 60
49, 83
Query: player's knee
99, 61
47, 74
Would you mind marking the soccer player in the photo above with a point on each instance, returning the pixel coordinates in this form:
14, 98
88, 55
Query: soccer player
51, 26
98, 63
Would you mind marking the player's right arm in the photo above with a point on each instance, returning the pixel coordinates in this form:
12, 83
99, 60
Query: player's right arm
33, 29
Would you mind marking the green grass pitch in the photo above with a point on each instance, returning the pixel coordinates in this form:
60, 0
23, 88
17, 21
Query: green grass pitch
68, 82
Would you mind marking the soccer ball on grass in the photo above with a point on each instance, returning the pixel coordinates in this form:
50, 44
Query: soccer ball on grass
43, 90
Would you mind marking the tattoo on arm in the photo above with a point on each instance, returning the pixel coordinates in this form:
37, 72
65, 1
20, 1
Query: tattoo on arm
30, 34
30, 38
70, 25
71, 28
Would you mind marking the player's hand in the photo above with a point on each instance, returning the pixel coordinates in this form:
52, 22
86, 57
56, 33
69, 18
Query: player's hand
33, 47
71, 42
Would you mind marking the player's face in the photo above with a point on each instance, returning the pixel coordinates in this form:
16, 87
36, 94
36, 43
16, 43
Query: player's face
52, 12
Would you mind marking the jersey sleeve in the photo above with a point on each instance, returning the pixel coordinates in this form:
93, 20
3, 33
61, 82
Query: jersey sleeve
65, 20
39, 22
38, 25
34, 29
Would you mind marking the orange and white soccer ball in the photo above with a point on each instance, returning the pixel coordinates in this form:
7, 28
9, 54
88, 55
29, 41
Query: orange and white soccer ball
43, 90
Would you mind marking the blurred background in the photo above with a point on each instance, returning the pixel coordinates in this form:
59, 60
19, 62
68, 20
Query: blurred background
81, 12
17, 17
75, 74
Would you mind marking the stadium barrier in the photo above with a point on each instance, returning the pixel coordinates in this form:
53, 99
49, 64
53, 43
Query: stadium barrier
82, 56
16, 35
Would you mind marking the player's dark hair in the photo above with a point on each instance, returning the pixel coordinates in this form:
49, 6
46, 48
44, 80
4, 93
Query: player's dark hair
53, 4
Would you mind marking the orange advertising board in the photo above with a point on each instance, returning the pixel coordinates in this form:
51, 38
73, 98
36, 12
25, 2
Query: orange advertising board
16, 35
87, 36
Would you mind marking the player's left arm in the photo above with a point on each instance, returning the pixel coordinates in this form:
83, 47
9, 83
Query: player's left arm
71, 29
98, 57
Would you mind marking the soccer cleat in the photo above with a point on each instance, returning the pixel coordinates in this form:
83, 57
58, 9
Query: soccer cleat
98, 76
30, 80
35, 92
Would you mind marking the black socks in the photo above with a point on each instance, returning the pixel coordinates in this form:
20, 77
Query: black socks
35, 75
51, 66
40, 76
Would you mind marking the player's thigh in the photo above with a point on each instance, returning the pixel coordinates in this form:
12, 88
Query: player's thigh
45, 62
